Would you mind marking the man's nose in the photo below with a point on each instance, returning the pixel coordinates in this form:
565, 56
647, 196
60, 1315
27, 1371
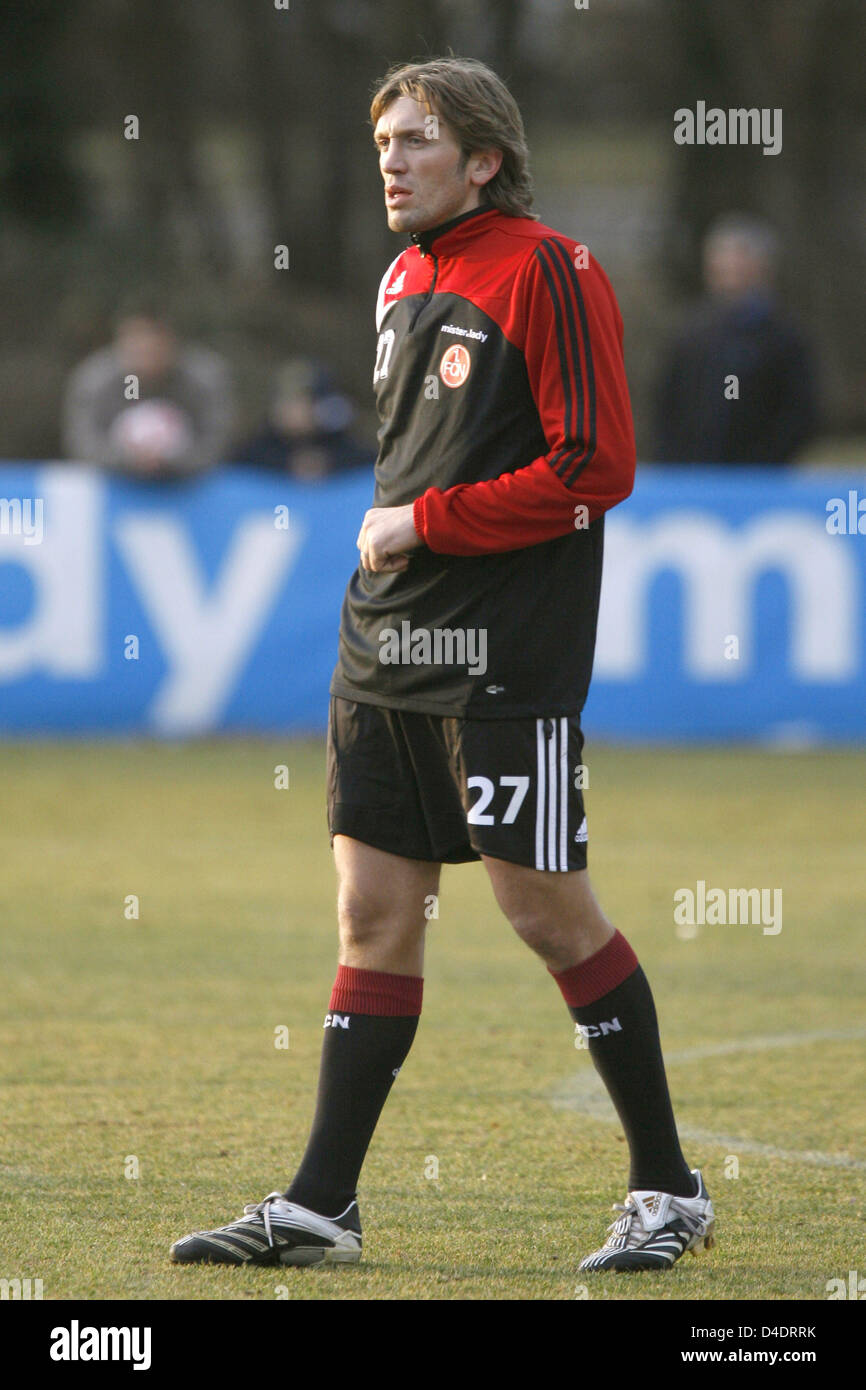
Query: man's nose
392, 159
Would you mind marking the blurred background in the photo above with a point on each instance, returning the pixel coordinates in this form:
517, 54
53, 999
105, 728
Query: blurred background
191, 198
253, 132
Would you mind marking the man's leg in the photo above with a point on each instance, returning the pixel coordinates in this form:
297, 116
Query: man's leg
373, 1014
557, 915
369, 1029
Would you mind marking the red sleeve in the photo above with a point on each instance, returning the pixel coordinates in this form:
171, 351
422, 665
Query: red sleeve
573, 349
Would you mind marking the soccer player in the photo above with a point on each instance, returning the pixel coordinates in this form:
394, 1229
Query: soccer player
466, 647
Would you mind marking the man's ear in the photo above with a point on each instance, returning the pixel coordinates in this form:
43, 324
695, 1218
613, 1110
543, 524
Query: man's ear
484, 165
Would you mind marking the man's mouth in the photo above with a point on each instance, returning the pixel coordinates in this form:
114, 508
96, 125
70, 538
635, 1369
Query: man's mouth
397, 194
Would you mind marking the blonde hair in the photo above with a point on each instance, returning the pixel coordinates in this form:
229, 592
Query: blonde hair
480, 110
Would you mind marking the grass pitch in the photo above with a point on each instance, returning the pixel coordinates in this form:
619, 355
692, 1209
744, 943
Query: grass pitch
144, 1095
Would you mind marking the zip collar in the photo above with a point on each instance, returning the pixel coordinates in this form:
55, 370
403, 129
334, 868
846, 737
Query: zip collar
450, 236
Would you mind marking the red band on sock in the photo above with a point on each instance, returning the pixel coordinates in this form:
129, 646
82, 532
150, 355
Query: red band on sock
597, 975
372, 992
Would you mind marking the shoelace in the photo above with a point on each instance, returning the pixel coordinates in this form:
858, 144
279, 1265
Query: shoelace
630, 1209
263, 1209
620, 1227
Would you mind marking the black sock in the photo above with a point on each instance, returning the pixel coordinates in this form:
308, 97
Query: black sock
609, 998
628, 1058
361, 1055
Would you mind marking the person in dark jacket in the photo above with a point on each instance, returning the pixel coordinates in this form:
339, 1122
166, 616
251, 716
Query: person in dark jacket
738, 383
307, 432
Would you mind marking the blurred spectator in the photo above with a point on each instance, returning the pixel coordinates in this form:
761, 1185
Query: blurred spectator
738, 330
147, 404
307, 432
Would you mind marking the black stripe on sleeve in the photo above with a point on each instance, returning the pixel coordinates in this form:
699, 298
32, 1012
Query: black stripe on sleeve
569, 462
568, 385
574, 278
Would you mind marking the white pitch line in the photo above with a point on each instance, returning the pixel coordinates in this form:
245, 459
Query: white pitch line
750, 1146
765, 1044
586, 1095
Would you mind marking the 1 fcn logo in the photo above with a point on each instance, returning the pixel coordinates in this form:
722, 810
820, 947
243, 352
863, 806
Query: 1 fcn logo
455, 364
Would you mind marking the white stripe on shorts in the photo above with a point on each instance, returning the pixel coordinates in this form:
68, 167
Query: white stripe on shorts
563, 795
551, 850
552, 800
539, 796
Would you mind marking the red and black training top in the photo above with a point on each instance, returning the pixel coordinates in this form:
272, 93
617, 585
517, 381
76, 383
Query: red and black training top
506, 420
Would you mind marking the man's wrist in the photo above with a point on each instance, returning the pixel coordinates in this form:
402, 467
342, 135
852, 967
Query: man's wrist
418, 517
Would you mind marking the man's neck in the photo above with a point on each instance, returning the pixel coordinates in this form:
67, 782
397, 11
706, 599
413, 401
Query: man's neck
425, 238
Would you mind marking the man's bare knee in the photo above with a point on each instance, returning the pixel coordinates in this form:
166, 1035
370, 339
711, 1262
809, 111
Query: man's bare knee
381, 907
364, 918
536, 929
557, 915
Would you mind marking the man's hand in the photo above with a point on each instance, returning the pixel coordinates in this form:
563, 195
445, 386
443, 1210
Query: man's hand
387, 535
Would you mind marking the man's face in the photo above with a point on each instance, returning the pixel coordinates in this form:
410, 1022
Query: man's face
426, 182
146, 346
732, 267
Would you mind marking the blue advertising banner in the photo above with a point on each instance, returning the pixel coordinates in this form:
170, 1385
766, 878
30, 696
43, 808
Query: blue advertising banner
733, 605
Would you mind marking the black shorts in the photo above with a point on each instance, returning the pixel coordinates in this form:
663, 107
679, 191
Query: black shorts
448, 790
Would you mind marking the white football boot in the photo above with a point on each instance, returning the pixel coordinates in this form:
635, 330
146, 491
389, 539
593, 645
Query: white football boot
273, 1232
655, 1229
